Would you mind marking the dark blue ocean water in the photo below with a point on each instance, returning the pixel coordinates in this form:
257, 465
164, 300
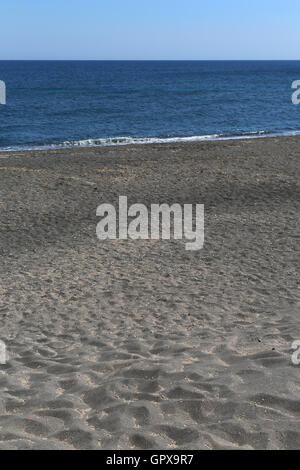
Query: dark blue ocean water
86, 103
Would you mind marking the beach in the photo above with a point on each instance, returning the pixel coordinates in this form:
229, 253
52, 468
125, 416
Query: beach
141, 344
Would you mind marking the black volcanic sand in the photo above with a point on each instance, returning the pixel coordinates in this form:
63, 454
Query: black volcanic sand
142, 344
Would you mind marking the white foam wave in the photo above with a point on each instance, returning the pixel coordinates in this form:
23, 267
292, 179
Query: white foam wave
156, 140
150, 140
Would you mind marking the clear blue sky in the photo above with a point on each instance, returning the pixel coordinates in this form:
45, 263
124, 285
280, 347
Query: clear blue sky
154, 29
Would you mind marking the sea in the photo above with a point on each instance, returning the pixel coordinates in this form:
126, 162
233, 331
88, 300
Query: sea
53, 104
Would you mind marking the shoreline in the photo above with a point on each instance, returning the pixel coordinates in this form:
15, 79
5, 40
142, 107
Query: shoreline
150, 141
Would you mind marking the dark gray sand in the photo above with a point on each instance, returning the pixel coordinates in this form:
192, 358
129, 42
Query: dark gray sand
142, 344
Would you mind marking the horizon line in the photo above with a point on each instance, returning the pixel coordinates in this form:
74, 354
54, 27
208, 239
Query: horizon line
150, 60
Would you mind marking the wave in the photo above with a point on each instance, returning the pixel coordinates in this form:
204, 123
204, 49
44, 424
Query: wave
156, 140
123, 140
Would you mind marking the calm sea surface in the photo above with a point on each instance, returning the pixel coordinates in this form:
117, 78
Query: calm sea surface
66, 103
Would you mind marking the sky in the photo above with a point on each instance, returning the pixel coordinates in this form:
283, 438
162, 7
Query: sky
149, 29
